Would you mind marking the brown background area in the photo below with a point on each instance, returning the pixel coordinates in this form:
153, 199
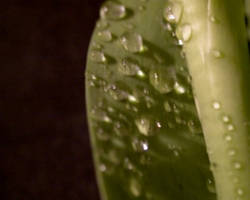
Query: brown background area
44, 144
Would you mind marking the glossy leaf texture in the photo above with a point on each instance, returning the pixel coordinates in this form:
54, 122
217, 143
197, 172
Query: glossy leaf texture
146, 137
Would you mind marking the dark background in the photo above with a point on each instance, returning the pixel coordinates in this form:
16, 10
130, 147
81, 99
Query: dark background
44, 145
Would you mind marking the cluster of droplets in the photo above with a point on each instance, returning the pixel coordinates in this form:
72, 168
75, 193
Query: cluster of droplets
231, 150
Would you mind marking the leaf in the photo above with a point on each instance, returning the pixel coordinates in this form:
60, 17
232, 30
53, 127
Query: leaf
145, 132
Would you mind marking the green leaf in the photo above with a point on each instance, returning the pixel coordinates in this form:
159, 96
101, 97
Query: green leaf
145, 132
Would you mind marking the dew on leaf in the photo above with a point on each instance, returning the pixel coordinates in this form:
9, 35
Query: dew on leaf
135, 187
132, 42
184, 32
217, 53
167, 106
211, 186
98, 56
172, 12
140, 145
130, 68
102, 24
113, 11
105, 35
216, 105
162, 80
144, 125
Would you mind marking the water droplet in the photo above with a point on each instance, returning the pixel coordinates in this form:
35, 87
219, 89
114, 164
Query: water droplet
102, 24
98, 56
213, 19
96, 46
167, 106
237, 165
211, 186
102, 135
102, 167
173, 11
130, 68
135, 187
132, 42
100, 115
226, 119
240, 191
179, 88
158, 124
194, 126
128, 164
228, 138
216, 105
184, 32
144, 125
162, 80
105, 35
132, 99
142, 8
140, 145
231, 152
230, 127
116, 93
216, 53
112, 11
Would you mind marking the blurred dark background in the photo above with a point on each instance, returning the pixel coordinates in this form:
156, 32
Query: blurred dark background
44, 144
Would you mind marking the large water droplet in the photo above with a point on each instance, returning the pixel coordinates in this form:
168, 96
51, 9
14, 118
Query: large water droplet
184, 32
228, 138
135, 187
105, 35
132, 42
112, 11
231, 152
98, 56
226, 119
240, 191
162, 80
173, 11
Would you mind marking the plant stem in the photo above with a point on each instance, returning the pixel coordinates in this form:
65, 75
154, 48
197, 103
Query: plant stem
215, 44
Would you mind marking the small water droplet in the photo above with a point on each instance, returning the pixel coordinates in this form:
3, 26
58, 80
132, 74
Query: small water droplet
231, 152
135, 187
226, 119
213, 19
116, 93
112, 11
96, 46
102, 24
211, 186
217, 53
140, 145
105, 35
230, 127
167, 106
130, 68
142, 8
144, 125
228, 138
102, 167
132, 42
133, 99
100, 115
216, 105
173, 11
162, 80
179, 88
98, 56
128, 164
237, 165
194, 126
240, 191
184, 32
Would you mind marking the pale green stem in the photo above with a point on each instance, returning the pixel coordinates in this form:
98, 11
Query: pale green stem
215, 44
